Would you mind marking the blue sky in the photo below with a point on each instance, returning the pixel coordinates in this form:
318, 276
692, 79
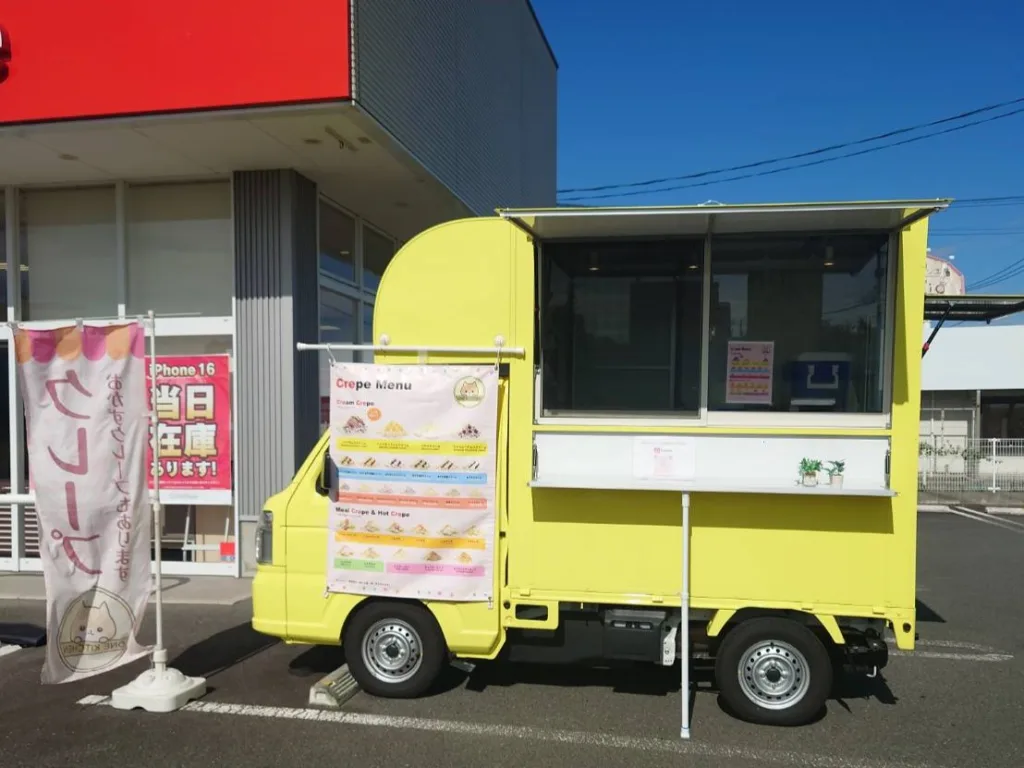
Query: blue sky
658, 88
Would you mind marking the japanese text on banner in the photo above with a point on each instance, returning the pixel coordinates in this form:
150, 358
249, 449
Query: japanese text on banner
413, 513
194, 426
85, 407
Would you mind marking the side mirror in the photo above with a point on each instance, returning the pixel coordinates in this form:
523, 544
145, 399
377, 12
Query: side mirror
323, 482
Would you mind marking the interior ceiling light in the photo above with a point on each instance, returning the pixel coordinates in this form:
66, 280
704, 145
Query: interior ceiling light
312, 141
66, 156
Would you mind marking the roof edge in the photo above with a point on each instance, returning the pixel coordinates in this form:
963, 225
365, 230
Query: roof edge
543, 34
935, 204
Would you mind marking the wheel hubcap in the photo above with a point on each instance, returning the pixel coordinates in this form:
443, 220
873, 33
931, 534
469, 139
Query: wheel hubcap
392, 651
774, 674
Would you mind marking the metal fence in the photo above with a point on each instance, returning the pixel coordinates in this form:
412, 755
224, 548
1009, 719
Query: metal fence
963, 470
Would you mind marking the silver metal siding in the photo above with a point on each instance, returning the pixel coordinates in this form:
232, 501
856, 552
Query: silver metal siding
468, 88
278, 391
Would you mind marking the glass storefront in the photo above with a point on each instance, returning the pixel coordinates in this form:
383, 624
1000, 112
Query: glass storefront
101, 252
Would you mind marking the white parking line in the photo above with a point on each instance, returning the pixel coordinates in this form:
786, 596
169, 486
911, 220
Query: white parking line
643, 744
981, 517
9, 649
984, 657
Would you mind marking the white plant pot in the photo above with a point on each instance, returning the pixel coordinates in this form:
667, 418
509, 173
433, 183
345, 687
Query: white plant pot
836, 481
810, 479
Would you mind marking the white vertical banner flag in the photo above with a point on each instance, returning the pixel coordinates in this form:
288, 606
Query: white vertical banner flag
416, 451
84, 389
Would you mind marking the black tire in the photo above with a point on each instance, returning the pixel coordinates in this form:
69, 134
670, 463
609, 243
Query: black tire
407, 630
778, 655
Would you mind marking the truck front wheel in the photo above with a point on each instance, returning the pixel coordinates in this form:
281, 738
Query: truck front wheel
394, 650
773, 671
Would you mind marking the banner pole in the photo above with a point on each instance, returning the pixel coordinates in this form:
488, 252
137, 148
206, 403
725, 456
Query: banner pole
160, 688
159, 652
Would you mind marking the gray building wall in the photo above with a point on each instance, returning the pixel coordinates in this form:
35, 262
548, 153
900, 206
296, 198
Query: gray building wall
468, 88
277, 415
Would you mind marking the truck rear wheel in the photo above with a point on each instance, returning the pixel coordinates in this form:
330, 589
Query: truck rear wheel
774, 671
394, 650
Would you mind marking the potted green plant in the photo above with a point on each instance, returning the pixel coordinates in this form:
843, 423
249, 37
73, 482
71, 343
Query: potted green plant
809, 469
835, 473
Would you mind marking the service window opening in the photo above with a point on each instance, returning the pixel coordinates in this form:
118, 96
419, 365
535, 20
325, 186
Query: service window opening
751, 323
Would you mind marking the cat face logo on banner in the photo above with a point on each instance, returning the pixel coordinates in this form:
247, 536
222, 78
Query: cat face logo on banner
95, 632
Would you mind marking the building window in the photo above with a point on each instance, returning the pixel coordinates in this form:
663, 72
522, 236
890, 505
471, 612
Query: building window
1002, 418
337, 326
621, 326
179, 254
69, 239
797, 323
337, 244
377, 253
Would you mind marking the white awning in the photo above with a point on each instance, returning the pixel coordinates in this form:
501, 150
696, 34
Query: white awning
698, 220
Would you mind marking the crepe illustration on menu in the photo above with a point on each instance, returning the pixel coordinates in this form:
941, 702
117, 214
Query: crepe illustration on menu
409, 491
344, 487
427, 432
472, 531
364, 488
387, 489
370, 462
398, 554
346, 461
432, 557
395, 464
453, 493
395, 528
370, 527
346, 552
464, 558
469, 432
346, 525
448, 465
421, 464
354, 425
420, 530
371, 554
394, 429
449, 531
476, 493
473, 465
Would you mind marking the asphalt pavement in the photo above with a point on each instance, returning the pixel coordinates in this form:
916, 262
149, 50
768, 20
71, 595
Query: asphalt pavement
956, 702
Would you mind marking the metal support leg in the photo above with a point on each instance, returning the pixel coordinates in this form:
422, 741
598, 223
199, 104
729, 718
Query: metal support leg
684, 624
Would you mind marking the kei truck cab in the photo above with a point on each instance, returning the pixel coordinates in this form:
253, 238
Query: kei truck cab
594, 435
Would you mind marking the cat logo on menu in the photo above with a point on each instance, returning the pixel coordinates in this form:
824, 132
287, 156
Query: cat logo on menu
469, 392
94, 632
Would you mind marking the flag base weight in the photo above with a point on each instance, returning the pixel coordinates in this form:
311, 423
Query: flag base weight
159, 690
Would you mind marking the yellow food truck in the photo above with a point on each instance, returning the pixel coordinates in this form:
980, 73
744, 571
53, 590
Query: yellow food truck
705, 443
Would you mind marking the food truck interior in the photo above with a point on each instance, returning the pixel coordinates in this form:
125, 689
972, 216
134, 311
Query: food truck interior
641, 324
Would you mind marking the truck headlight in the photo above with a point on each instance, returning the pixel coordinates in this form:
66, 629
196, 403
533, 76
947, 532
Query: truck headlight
265, 539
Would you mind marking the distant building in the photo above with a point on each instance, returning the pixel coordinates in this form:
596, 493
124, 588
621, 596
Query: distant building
943, 279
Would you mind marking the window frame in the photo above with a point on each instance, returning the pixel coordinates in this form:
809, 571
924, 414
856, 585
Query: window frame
705, 417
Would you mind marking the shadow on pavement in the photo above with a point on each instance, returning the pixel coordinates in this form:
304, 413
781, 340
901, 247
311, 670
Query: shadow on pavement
221, 651
926, 614
321, 660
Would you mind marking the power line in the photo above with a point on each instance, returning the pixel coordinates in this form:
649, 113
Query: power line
1000, 276
808, 164
800, 155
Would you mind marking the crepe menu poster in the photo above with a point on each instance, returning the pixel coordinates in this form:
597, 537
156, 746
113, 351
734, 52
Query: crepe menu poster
413, 514
749, 373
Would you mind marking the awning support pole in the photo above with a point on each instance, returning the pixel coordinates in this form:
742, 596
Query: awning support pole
935, 330
684, 624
